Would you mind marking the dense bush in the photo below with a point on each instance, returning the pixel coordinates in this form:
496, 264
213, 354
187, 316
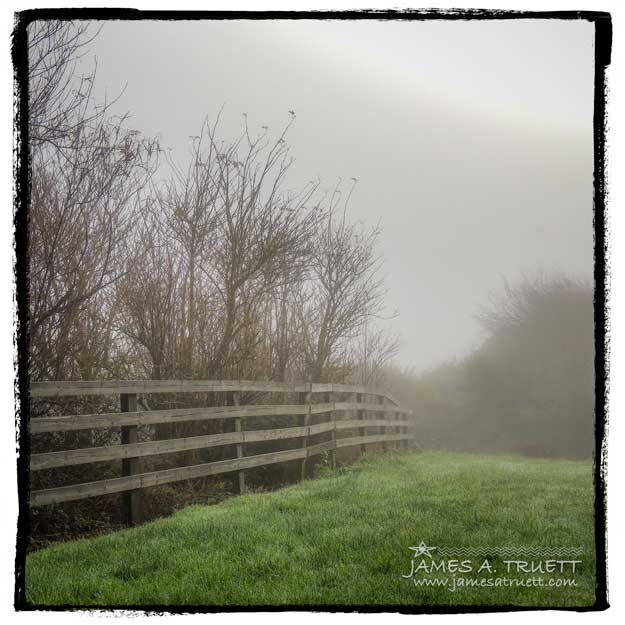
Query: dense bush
529, 388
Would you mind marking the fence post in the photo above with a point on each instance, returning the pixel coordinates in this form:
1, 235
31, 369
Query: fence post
404, 430
361, 416
353, 413
397, 416
329, 398
130, 466
305, 398
384, 428
236, 401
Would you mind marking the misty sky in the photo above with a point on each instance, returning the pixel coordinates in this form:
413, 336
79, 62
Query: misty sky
471, 141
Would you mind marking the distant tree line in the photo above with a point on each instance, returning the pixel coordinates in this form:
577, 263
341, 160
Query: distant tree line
528, 389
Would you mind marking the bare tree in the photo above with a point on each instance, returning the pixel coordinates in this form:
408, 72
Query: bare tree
259, 229
188, 205
345, 290
60, 100
373, 351
148, 295
87, 173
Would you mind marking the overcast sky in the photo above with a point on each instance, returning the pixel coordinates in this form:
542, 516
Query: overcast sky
471, 140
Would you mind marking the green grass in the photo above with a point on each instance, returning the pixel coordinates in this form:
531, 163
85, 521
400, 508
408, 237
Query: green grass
340, 539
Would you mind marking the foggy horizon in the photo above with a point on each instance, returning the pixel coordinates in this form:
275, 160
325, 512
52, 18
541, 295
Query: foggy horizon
471, 141
288, 288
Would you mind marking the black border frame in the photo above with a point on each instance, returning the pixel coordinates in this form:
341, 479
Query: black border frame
602, 57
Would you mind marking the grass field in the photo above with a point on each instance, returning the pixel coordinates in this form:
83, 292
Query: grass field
345, 539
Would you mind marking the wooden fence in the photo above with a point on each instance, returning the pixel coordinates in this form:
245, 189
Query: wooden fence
374, 410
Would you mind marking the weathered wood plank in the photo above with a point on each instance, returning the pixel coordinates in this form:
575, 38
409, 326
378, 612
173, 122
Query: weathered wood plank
119, 452
113, 387
319, 428
156, 478
361, 415
320, 448
332, 458
88, 455
383, 429
152, 417
352, 424
363, 390
349, 406
305, 399
255, 436
353, 441
130, 465
238, 427
376, 438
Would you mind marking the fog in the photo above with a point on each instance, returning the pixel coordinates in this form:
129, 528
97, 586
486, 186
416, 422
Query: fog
198, 309
471, 141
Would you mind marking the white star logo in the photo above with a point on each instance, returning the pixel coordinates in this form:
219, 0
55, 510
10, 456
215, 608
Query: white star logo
422, 549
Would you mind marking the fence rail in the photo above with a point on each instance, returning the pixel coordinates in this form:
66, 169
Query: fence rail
116, 387
385, 415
